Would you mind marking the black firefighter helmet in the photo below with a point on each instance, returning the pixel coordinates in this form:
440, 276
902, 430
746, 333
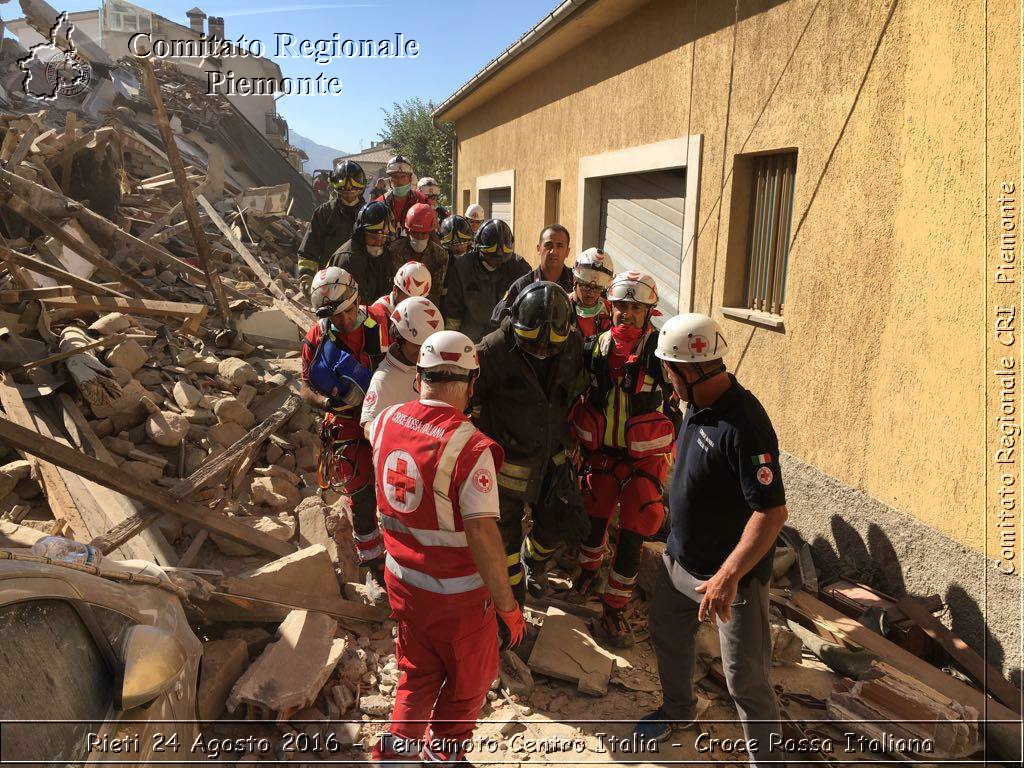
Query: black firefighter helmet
542, 319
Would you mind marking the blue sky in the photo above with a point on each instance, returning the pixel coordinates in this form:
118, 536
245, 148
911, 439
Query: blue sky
456, 38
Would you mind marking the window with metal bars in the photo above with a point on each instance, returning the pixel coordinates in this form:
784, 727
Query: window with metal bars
771, 215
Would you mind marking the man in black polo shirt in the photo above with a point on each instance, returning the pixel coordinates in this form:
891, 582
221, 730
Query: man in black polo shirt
727, 506
552, 251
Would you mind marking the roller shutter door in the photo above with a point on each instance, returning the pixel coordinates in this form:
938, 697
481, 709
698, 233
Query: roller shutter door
501, 204
642, 227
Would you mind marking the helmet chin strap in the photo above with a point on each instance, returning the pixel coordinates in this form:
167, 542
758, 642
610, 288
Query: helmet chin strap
704, 376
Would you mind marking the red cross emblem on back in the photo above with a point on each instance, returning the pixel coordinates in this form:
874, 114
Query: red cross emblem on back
698, 344
400, 481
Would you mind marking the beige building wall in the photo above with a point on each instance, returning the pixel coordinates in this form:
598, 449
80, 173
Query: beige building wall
875, 377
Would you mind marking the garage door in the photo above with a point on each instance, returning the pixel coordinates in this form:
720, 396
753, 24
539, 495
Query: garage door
642, 227
501, 204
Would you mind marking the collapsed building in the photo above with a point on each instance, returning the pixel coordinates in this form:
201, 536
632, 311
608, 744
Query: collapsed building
149, 336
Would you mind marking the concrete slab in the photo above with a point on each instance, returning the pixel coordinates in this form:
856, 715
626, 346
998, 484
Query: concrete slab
289, 674
566, 651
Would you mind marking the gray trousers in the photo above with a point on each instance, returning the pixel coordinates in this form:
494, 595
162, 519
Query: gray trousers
746, 658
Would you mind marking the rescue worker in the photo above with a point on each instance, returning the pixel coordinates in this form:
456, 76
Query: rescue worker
475, 214
626, 438
431, 190
455, 236
728, 505
364, 256
333, 222
411, 279
393, 382
552, 250
479, 277
402, 196
591, 275
528, 380
435, 476
418, 245
338, 355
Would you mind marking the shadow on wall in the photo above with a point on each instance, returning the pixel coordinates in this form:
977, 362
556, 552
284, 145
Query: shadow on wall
874, 562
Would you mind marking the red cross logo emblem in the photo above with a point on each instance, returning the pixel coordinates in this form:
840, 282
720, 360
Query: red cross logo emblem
482, 481
402, 484
698, 344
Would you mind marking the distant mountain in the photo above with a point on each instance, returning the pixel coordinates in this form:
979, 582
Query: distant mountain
319, 155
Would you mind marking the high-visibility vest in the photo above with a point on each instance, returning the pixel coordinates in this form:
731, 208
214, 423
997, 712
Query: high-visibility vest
381, 311
422, 454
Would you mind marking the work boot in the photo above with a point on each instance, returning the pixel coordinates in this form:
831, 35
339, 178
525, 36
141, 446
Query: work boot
537, 577
617, 630
584, 586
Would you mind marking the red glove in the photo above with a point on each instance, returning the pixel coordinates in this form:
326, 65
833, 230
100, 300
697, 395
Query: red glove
516, 624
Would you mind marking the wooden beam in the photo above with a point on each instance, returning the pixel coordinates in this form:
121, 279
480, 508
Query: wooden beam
70, 124
188, 202
50, 227
983, 673
24, 145
31, 294
203, 476
67, 153
51, 451
1004, 734
220, 464
61, 205
300, 316
40, 267
110, 341
117, 506
62, 503
72, 306
332, 606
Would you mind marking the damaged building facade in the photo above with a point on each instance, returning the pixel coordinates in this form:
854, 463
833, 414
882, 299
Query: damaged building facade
116, 25
787, 167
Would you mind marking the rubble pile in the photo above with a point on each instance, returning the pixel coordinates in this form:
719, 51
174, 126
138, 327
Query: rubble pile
149, 359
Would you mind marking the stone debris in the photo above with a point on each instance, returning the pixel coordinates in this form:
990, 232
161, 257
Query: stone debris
223, 663
289, 674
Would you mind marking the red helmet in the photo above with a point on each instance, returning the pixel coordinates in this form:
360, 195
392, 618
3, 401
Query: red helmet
421, 219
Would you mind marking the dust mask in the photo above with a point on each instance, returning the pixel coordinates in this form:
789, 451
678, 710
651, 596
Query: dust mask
418, 245
401, 191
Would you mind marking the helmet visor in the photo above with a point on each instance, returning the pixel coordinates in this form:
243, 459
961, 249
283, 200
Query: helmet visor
628, 290
348, 184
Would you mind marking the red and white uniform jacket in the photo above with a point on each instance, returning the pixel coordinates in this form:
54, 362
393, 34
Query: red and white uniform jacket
433, 469
381, 311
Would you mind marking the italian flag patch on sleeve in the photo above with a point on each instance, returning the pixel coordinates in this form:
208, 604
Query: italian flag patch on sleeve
761, 458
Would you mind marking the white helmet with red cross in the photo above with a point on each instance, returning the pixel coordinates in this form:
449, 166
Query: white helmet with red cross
633, 286
594, 267
448, 348
416, 318
690, 338
413, 279
332, 290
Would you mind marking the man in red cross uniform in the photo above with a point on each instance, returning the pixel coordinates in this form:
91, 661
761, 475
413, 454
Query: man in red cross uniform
625, 424
445, 562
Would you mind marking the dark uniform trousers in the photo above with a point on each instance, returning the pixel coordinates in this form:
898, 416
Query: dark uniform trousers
527, 416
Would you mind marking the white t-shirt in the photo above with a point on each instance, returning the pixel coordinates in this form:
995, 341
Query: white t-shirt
478, 495
391, 384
